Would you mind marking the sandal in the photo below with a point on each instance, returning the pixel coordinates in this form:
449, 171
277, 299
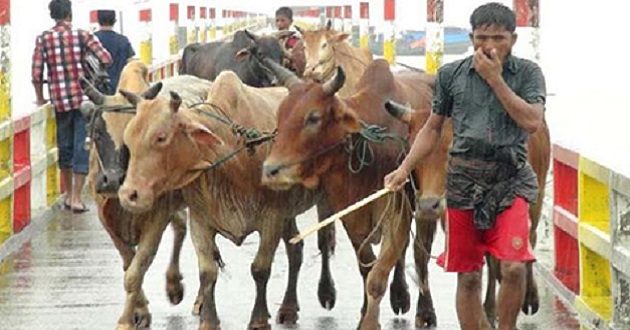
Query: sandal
66, 205
83, 209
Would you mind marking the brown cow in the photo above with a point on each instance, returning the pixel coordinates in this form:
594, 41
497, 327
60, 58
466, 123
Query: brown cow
172, 148
327, 49
314, 133
136, 237
431, 202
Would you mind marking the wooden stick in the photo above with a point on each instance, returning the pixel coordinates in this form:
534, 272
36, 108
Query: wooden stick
339, 214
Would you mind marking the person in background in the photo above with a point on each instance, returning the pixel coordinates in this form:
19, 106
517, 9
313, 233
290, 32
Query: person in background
293, 44
61, 50
116, 44
284, 21
495, 100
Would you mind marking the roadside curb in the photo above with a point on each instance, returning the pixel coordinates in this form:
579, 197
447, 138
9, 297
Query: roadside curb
587, 318
37, 224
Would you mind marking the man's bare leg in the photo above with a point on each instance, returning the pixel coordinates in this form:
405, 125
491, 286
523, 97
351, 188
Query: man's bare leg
511, 294
469, 300
65, 178
77, 188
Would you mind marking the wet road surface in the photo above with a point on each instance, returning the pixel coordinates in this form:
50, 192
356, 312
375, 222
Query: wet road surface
69, 276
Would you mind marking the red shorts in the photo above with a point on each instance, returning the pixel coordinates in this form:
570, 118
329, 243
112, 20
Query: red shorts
466, 246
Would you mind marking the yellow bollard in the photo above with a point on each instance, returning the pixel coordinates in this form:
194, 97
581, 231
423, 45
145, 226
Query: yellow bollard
434, 40
146, 43
389, 42
389, 50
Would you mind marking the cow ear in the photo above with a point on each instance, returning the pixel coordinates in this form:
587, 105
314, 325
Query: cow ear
202, 134
132, 98
339, 37
242, 54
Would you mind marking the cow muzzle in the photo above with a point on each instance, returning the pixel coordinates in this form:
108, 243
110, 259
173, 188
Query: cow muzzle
109, 182
135, 200
277, 176
430, 208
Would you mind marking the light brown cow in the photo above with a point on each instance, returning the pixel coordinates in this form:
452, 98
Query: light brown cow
431, 202
327, 49
315, 130
172, 148
136, 237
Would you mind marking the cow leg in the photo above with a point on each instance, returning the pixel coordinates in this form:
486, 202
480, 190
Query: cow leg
489, 305
203, 238
261, 270
326, 291
174, 286
218, 260
288, 312
425, 234
399, 298
152, 231
127, 252
365, 254
395, 239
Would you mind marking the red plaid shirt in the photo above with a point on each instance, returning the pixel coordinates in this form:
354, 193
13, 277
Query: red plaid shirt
62, 49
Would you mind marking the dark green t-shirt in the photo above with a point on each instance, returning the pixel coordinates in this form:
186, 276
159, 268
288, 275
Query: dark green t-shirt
490, 148
481, 126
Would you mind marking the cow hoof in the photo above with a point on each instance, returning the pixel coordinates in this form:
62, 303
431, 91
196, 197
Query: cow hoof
287, 315
259, 326
196, 310
142, 321
209, 326
175, 292
125, 327
531, 304
427, 319
327, 294
399, 298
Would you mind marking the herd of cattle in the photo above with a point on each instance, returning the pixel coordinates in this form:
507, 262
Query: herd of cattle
246, 145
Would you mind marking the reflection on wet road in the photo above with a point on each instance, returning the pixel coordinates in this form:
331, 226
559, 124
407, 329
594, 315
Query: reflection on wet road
69, 276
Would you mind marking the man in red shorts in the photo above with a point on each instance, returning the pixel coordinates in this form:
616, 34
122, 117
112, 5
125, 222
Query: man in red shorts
495, 100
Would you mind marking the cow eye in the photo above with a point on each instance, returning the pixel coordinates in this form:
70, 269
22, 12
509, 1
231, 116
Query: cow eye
324, 45
312, 118
161, 138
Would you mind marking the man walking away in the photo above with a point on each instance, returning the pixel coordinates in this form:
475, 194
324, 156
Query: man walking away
61, 49
116, 44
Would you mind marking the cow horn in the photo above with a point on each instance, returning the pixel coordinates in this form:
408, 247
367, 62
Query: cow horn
91, 92
131, 97
399, 111
251, 35
335, 83
153, 91
287, 54
282, 34
299, 29
286, 77
176, 101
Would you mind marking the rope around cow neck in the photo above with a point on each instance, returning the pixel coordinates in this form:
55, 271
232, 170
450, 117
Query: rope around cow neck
251, 136
360, 151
